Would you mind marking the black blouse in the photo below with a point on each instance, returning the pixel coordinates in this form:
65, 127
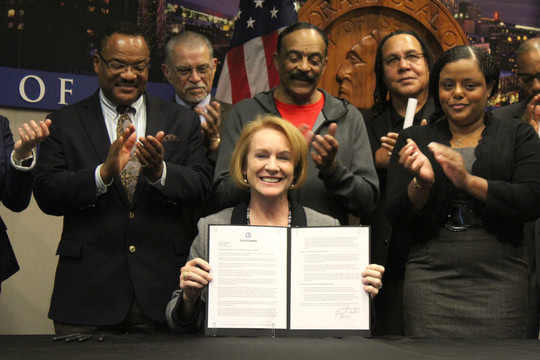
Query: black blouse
507, 156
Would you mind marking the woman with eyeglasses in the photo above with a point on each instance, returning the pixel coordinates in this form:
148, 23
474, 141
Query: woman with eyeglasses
463, 185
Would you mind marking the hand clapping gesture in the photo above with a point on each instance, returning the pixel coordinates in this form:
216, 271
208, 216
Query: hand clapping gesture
150, 154
325, 148
210, 127
30, 135
532, 112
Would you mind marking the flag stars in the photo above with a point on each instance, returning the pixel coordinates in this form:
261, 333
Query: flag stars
239, 13
258, 3
296, 6
273, 13
250, 23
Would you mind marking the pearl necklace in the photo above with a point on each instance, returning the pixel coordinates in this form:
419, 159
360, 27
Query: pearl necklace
290, 215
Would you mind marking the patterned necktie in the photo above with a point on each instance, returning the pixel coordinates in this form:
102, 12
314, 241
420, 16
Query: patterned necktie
130, 173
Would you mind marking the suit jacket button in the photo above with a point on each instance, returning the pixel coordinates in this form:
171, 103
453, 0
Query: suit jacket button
131, 214
132, 249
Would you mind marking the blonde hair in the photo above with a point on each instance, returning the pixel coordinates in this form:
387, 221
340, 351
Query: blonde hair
297, 142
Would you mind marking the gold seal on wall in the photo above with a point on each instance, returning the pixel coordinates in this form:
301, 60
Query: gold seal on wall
354, 29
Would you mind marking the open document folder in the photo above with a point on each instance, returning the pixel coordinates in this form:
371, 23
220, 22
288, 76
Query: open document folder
278, 281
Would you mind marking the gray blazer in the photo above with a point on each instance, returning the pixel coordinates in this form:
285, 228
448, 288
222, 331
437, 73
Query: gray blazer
199, 249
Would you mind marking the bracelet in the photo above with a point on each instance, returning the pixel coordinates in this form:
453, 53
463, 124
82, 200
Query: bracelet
422, 187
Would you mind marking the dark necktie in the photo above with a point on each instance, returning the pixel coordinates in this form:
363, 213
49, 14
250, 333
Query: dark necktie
130, 172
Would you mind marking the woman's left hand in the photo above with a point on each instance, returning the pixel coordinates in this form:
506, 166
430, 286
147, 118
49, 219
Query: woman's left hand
451, 162
372, 279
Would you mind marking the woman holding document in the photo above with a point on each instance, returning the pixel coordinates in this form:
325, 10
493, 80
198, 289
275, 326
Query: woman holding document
464, 185
269, 160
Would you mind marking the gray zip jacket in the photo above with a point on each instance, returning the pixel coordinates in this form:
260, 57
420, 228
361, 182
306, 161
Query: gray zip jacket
353, 187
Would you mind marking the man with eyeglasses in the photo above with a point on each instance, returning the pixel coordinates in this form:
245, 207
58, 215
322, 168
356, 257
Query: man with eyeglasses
120, 166
528, 109
402, 65
528, 72
190, 67
341, 177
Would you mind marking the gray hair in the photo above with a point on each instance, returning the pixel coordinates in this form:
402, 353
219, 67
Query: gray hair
188, 38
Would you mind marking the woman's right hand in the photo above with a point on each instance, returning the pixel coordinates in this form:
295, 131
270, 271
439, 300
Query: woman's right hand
416, 163
194, 276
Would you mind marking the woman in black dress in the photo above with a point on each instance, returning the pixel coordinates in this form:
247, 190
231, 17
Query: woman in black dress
463, 185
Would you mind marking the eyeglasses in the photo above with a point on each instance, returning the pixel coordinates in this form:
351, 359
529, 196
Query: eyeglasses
412, 58
529, 78
117, 67
186, 71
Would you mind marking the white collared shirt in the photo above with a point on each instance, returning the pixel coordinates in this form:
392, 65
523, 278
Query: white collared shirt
110, 114
138, 118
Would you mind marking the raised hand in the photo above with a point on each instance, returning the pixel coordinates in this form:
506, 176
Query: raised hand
30, 134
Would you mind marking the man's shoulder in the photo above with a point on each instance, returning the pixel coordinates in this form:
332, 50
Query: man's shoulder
373, 120
261, 102
336, 108
4, 122
89, 103
153, 102
156, 101
513, 110
224, 105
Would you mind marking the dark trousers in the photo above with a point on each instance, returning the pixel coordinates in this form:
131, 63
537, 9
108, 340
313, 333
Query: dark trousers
135, 322
533, 306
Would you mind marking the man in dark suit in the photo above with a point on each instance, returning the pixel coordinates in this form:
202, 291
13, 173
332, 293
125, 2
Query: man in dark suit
122, 245
528, 65
528, 109
190, 67
17, 164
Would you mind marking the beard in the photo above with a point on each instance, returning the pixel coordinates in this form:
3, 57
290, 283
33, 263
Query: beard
194, 99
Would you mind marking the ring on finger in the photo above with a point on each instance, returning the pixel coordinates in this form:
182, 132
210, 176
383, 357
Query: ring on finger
379, 287
185, 275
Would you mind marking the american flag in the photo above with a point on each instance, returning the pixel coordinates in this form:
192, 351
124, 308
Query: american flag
249, 68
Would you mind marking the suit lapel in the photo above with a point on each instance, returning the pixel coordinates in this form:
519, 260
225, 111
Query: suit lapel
156, 116
94, 125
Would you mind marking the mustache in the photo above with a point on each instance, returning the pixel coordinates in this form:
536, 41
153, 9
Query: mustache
126, 82
195, 86
302, 77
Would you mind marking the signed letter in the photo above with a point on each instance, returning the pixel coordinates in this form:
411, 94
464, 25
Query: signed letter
282, 279
326, 281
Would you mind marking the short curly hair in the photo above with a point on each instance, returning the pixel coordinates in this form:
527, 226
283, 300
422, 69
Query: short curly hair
297, 142
122, 28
